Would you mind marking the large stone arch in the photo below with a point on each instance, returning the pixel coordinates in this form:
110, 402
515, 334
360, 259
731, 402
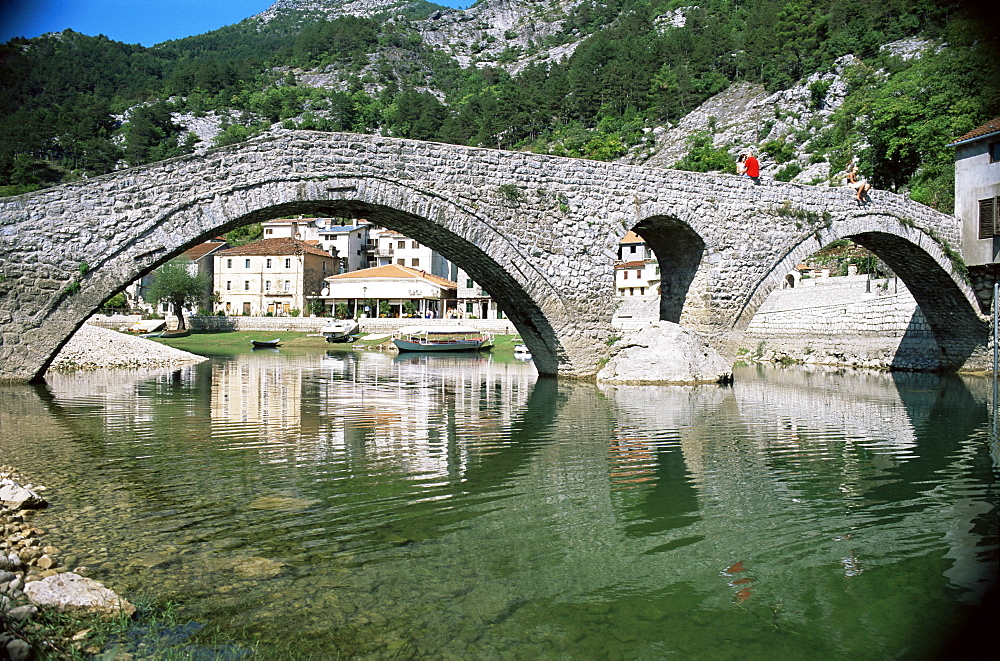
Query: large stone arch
921, 261
462, 235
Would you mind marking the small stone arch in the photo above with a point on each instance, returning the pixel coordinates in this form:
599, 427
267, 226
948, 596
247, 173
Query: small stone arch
920, 261
679, 250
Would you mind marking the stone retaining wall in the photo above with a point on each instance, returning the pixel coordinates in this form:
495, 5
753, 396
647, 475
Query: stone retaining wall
302, 324
845, 322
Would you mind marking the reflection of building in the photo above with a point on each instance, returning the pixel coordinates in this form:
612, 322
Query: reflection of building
977, 193
270, 276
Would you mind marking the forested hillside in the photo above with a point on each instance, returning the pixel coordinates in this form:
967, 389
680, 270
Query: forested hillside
76, 105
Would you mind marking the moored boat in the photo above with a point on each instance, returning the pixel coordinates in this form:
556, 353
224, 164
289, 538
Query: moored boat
266, 344
341, 330
442, 338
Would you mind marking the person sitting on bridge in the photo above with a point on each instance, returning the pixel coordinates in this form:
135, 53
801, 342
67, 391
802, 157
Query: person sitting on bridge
858, 183
748, 166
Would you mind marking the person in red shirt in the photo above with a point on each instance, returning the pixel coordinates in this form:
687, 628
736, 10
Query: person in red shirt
748, 166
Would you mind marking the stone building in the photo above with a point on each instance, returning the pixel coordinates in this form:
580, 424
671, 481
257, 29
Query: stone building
271, 276
977, 194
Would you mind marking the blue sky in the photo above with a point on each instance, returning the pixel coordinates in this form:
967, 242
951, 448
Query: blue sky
145, 22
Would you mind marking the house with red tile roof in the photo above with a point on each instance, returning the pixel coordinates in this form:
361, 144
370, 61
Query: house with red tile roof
637, 273
272, 276
393, 290
200, 260
977, 193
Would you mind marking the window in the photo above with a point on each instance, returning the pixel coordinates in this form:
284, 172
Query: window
401, 245
632, 249
414, 262
267, 285
288, 263
624, 275
229, 285
288, 285
989, 209
246, 285
638, 274
268, 263
468, 308
247, 263
229, 263
324, 266
994, 152
401, 262
469, 283
269, 231
414, 245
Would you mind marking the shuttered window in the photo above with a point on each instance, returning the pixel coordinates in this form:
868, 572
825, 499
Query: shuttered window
988, 210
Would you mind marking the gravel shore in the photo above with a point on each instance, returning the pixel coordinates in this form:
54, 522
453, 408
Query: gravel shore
93, 347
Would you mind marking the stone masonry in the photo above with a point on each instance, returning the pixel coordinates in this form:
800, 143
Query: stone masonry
539, 232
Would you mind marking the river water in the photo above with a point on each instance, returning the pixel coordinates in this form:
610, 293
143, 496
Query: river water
354, 504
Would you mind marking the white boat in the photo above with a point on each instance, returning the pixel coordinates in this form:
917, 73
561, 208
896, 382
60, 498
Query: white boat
340, 330
441, 338
521, 350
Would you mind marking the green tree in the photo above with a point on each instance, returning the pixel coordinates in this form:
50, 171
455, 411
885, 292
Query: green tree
244, 235
703, 156
175, 284
151, 134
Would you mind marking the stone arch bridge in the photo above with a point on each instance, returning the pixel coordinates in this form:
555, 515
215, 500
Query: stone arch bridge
539, 232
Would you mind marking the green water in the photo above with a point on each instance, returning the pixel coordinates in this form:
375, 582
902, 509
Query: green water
349, 504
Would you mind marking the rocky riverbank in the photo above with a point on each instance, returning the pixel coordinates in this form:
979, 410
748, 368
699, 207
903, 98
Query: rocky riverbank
32, 580
93, 347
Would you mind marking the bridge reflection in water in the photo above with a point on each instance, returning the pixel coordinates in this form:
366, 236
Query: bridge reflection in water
463, 507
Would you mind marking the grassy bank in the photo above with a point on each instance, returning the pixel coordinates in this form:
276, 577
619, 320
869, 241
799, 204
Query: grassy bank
227, 343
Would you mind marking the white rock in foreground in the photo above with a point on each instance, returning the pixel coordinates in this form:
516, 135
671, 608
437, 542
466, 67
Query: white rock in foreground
72, 592
16, 497
94, 347
664, 353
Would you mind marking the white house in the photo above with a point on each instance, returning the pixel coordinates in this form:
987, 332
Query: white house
977, 193
200, 259
637, 273
270, 276
394, 289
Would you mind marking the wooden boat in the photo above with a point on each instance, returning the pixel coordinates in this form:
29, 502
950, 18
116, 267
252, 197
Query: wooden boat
441, 338
341, 330
266, 344
168, 334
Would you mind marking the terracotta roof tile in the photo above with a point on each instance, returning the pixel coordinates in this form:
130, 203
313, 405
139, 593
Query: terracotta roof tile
632, 237
280, 246
631, 265
394, 271
992, 126
197, 252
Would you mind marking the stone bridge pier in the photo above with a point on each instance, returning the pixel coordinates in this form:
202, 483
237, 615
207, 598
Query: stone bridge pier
540, 233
